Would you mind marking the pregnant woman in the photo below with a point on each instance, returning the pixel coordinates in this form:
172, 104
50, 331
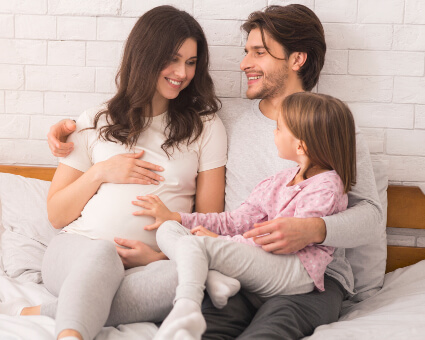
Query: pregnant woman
163, 112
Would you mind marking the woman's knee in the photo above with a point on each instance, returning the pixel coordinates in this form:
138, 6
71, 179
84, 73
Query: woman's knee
104, 255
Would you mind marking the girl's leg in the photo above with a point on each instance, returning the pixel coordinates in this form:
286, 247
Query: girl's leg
219, 287
85, 275
167, 236
258, 272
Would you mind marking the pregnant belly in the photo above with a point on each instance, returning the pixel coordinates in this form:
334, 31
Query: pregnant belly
109, 213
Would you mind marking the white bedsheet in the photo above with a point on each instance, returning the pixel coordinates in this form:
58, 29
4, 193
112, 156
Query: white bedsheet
396, 312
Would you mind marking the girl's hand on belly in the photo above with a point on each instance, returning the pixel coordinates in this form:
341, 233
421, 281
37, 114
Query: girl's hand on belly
138, 254
154, 207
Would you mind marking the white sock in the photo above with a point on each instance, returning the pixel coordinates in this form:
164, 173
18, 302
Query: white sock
183, 334
220, 287
185, 322
69, 338
14, 307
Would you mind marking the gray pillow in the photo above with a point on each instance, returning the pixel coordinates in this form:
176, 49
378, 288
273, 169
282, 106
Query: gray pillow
27, 228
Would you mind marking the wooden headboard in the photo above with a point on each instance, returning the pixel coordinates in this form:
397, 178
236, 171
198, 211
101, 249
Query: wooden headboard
406, 209
46, 174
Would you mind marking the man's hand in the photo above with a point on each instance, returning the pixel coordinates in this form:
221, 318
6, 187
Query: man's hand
57, 137
202, 231
287, 235
153, 206
138, 255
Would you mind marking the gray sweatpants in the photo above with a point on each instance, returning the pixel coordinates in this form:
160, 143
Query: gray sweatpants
258, 271
88, 278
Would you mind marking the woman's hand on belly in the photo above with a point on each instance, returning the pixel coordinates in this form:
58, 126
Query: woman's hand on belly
138, 254
127, 168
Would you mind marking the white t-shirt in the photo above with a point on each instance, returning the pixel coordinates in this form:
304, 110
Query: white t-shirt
108, 213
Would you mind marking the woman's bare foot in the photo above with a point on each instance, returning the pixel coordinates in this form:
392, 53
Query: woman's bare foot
13, 307
35, 310
69, 334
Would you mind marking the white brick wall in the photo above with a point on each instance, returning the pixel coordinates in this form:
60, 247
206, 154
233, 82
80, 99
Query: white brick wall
66, 53
1, 101
35, 26
11, 77
7, 26
83, 7
25, 52
420, 117
59, 57
24, 6
76, 28
336, 10
381, 11
24, 102
59, 78
136, 8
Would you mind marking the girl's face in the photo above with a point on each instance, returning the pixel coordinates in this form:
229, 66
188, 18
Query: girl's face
287, 144
177, 75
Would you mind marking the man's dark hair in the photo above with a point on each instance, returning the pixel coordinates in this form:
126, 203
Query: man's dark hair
297, 29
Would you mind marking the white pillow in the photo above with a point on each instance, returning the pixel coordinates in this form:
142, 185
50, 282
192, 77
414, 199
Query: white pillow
27, 228
1, 232
368, 262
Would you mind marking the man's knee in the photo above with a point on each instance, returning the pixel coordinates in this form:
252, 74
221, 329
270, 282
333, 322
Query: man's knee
296, 316
229, 322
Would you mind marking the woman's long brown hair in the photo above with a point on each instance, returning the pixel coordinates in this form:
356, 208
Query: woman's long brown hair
151, 45
326, 126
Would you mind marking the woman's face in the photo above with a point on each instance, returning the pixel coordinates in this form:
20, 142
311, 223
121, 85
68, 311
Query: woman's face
177, 75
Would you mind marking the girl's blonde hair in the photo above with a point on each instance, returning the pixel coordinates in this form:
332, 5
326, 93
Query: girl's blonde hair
326, 126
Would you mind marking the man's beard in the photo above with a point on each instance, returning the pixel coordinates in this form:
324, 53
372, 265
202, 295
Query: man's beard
273, 86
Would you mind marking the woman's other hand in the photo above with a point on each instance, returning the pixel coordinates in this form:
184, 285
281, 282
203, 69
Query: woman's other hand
127, 168
202, 231
153, 206
57, 138
138, 254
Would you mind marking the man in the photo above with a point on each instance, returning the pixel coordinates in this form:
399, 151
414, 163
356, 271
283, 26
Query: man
285, 53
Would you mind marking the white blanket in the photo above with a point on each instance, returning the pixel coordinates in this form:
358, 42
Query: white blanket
396, 312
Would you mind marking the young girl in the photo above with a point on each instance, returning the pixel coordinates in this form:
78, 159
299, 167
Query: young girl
162, 112
314, 130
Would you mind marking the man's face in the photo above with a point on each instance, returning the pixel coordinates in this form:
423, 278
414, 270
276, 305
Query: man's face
267, 76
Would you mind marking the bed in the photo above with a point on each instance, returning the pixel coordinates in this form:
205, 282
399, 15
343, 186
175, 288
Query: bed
397, 311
